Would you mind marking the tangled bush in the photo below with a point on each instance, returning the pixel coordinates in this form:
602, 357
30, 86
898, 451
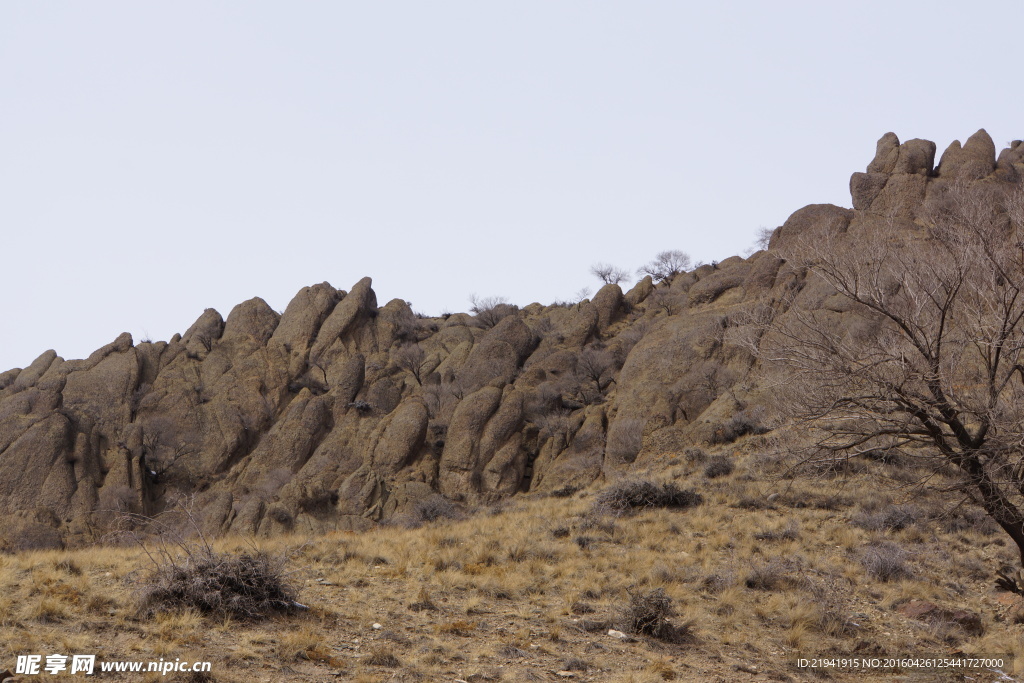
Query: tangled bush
885, 561
740, 424
433, 508
890, 518
249, 586
648, 614
718, 466
639, 494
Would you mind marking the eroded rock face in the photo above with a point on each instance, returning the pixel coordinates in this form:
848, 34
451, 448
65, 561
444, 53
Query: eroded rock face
338, 414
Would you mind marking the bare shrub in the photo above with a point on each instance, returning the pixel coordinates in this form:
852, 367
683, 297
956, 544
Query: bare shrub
666, 265
969, 520
628, 495
610, 275
383, 657
772, 575
695, 456
491, 310
596, 365
889, 518
318, 501
249, 586
576, 664
648, 614
433, 508
666, 300
885, 561
411, 357
718, 466
740, 424
790, 532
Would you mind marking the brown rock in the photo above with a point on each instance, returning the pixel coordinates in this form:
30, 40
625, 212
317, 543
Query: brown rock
497, 358
886, 154
608, 302
458, 466
640, 291
916, 156
864, 187
396, 323
764, 268
206, 330
301, 322
357, 307
403, 435
810, 222
252, 319
901, 197
33, 372
974, 161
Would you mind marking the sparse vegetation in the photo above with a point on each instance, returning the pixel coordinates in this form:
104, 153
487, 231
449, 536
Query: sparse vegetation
610, 275
491, 310
241, 586
630, 495
666, 265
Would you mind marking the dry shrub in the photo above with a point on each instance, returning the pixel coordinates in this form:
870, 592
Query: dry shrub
718, 466
575, 664
629, 495
790, 532
772, 575
383, 657
740, 424
888, 518
648, 614
695, 455
433, 508
249, 586
885, 561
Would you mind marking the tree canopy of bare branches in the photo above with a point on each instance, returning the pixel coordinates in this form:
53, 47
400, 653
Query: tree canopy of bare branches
928, 353
666, 265
608, 274
491, 310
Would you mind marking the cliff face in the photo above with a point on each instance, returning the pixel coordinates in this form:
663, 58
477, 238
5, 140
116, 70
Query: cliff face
339, 413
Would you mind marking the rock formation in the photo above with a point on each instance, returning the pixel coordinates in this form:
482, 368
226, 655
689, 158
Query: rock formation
339, 413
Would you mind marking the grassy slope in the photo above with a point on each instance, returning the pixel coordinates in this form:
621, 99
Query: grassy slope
759, 578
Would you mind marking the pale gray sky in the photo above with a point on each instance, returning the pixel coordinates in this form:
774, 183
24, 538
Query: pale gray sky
157, 159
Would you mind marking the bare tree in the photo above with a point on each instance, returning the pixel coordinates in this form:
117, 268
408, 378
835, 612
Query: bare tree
411, 357
928, 357
491, 310
596, 365
164, 449
608, 274
666, 265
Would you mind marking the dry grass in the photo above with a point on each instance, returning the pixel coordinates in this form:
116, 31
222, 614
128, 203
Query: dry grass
729, 587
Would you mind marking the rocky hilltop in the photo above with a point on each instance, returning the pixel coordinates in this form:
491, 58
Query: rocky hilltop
340, 413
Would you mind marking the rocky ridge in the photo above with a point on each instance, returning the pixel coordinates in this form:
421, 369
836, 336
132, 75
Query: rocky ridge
339, 413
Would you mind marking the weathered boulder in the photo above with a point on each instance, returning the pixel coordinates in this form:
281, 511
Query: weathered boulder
915, 156
811, 222
975, 160
887, 151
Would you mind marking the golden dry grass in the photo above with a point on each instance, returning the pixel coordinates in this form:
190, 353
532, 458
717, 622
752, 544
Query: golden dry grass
531, 591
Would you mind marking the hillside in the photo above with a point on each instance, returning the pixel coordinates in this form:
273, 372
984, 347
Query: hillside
338, 413
619, 489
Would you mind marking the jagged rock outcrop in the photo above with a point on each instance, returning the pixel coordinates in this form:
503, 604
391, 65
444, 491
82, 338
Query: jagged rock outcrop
338, 414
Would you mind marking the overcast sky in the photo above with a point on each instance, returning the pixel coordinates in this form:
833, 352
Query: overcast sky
157, 159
